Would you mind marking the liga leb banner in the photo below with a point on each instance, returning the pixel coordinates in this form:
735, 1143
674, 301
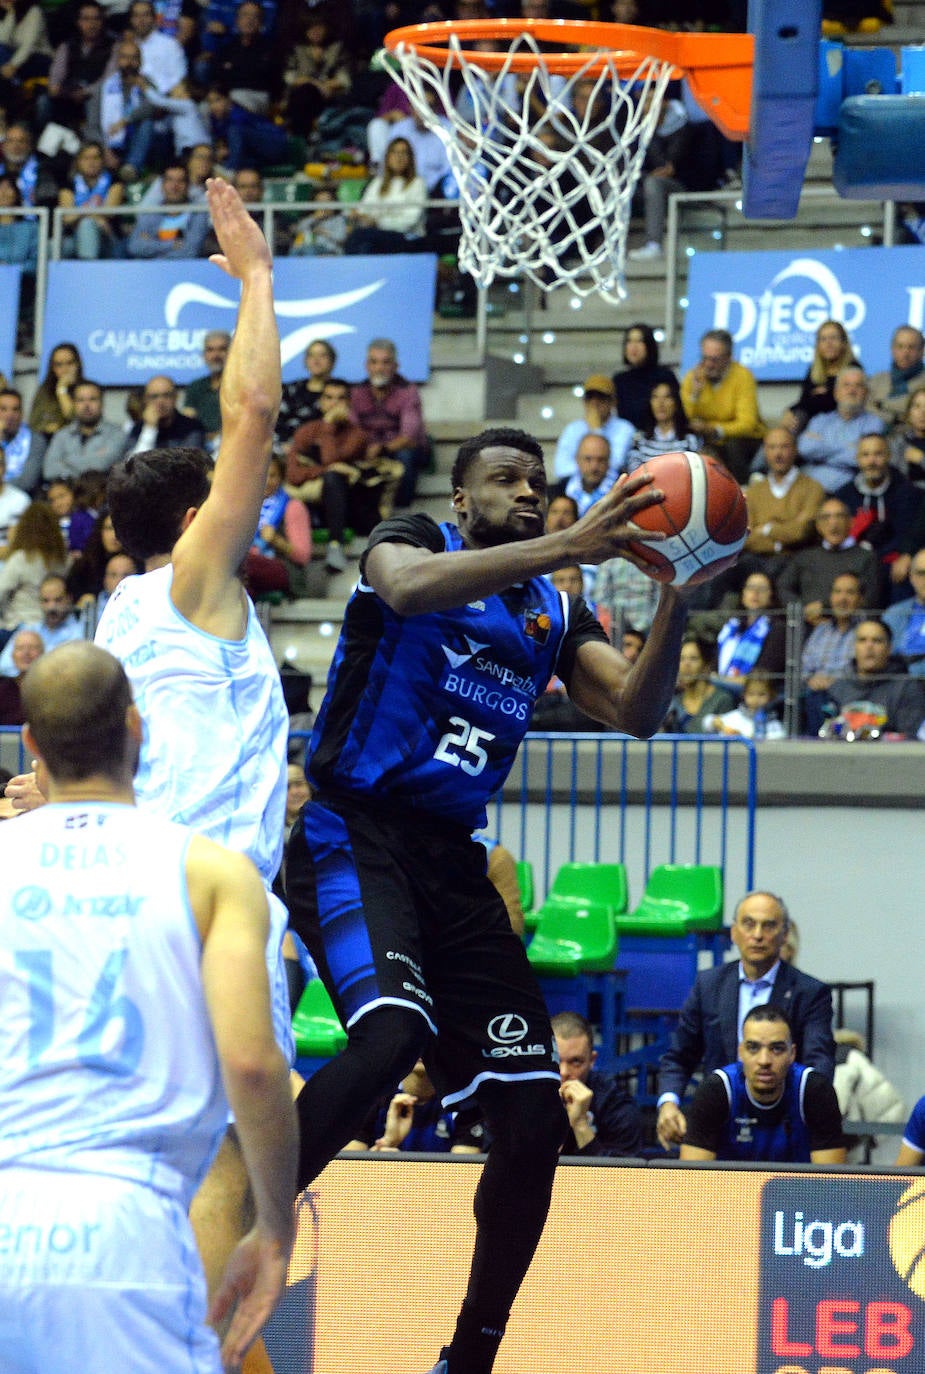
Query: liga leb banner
773, 303
133, 320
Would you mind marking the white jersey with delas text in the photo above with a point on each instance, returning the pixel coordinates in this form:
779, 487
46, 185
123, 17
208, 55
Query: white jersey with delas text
107, 1059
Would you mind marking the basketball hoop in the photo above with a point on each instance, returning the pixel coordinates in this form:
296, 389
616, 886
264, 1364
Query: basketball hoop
546, 148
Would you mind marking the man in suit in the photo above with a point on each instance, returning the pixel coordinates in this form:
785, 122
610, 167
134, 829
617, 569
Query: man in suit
709, 1029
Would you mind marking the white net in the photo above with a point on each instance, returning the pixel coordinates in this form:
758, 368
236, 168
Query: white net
545, 165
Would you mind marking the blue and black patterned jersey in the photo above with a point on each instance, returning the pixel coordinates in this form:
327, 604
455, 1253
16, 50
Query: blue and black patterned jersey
429, 710
723, 1118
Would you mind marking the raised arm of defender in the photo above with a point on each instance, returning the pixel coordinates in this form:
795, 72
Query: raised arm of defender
209, 553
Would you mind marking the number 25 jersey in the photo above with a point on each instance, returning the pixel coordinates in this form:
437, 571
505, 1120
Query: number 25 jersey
429, 710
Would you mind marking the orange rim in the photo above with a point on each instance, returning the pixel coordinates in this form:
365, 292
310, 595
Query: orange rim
718, 66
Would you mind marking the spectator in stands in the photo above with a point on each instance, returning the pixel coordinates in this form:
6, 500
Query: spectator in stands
765, 1107
301, 398
696, 696
77, 67
58, 624
906, 620
880, 676
829, 650
24, 448
756, 637
430, 158
246, 64
561, 513
388, 407
240, 137
908, 441
19, 234
89, 443
171, 232
912, 1149
595, 472
828, 446
662, 173
75, 523
721, 400
89, 237
74, 505
598, 417
34, 177
391, 215
889, 391
53, 402
218, 24
603, 1120
710, 1026
283, 541
161, 424
126, 136
886, 508
809, 575
25, 647
200, 165
324, 467
863, 1092
782, 509
86, 574
13, 501
641, 372
323, 231
24, 51
755, 717
665, 428
200, 397
163, 61
317, 73
832, 353
35, 549
632, 643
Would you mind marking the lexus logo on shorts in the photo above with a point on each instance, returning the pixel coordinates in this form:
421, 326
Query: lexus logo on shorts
507, 1028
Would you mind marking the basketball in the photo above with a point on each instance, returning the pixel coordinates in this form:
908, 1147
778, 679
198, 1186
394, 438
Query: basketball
704, 516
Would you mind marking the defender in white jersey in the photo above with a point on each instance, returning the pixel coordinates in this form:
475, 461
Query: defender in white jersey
133, 983
216, 721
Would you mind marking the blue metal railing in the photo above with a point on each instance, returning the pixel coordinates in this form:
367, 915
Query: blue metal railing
610, 798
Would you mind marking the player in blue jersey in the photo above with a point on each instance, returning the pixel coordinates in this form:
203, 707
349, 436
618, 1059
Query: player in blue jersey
766, 1107
133, 982
450, 637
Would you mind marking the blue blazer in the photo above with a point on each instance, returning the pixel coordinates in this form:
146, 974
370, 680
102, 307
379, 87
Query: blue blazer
707, 1035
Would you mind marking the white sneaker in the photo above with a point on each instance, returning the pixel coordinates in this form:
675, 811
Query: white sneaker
650, 252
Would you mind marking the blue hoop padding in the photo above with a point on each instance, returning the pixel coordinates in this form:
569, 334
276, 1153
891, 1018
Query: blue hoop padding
783, 105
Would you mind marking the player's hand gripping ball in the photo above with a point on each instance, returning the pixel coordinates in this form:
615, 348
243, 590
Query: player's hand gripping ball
704, 516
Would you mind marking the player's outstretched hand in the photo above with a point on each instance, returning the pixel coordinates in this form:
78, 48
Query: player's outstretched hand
607, 528
244, 248
251, 1287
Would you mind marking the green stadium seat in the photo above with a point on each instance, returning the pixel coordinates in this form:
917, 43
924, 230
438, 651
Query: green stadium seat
315, 1024
573, 937
593, 883
679, 899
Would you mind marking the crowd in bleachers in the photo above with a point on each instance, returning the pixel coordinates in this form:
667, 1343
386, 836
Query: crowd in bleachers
836, 526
